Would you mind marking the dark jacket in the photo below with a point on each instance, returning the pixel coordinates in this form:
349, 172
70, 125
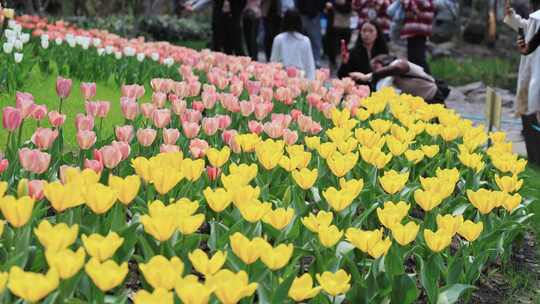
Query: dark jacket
237, 7
359, 60
310, 8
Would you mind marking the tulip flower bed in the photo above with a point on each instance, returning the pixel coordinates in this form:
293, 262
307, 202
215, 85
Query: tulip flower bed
237, 181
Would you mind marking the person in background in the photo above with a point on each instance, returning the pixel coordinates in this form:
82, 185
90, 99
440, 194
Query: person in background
408, 77
226, 24
310, 12
417, 28
370, 44
339, 27
293, 49
251, 19
527, 103
375, 11
272, 13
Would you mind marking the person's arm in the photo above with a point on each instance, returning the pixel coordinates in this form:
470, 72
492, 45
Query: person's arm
531, 46
401, 67
512, 19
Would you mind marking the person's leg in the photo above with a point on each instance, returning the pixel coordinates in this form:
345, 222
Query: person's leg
251, 28
416, 52
218, 33
235, 35
312, 26
272, 26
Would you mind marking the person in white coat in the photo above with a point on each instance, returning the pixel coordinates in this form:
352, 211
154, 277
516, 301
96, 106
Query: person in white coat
528, 87
292, 48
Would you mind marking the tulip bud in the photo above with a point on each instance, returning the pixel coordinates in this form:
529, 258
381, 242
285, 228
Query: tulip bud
63, 87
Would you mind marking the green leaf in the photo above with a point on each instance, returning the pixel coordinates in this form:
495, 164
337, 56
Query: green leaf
283, 290
451, 294
393, 261
429, 276
454, 270
404, 290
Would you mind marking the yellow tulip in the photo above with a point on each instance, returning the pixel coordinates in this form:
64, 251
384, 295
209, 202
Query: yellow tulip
192, 169
160, 272
278, 257
17, 211
84, 178
342, 118
142, 168
189, 224
254, 210
511, 202
441, 186
3, 188
433, 129
279, 218
375, 157
437, 241
449, 223
66, 262
289, 164
63, 197
247, 172
393, 182
248, 251
161, 222
218, 158
497, 137
305, 178
269, 153
452, 175
326, 149
190, 291
380, 126
159, 296
427, 199
31, 286
414, 156
364, 240
9, 13
230, 287
312, 142
245, 194
106, 275
165, 178
392, 214
57, 237
100, 247
347, 146
338, 200
362, 114
402, 134
430, 151
101, 198
127, 188
482, 200
369, 138
338, 134
380, 248
322, 219
168, 159
354, 186
471, 160
329, 235
335, 283
22, 187
218, 199
508, 184
341, 164
470, 230
404, 234
248, 142
395, 146
204, 265
185, 207
302, 288
233, 181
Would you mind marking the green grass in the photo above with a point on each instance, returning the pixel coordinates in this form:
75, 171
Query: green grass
496, 72
43, 88
531, 189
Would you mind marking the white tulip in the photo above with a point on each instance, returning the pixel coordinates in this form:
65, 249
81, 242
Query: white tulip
45, 44
25, 37
118, 55
18, 57
100, 51
96, 42
129, 51
140, 57
109, 50
44, 37
155, 56
12, 24
168, 61
9, 34
8, 47
58, 41
18, 45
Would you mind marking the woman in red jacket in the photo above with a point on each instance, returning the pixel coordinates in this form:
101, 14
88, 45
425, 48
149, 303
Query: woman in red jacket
417, 28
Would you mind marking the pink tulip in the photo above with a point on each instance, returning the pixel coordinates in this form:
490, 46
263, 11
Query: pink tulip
111, 156
313, 100
161, 118
228, 135
86, 139
159, 99
198, 147
224, 121
133, 91
88, 90
34, 161
210, 125
161, 84
295, 114
191, 129
94, 165
283, 119
11, 118
246, 108
35, 189
197, 106
43, 138
164, 148
273, 129
56, 119
253, 87
230, 102
103, 109
25, 103
236, 88
178, 106
129, 107
63, 87
147, 109
212, 173
4, 164
292, 72
194, 88
170, 136
191, 115
209, 99
316, 128
255, 127
92, 108
39, 112
263, 109
124, 133
290, 137
84, 122
146, 136
123, 147
267, 94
